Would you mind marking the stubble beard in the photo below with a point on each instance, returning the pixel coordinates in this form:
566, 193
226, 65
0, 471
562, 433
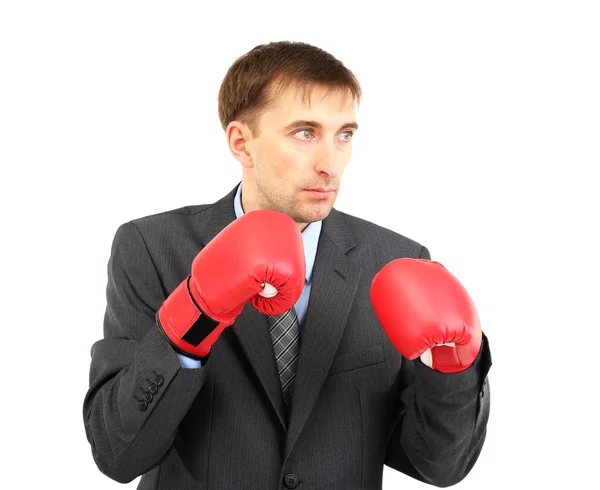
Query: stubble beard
271, 197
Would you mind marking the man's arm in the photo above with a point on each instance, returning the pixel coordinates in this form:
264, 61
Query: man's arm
442, 416
138, 392
442, 421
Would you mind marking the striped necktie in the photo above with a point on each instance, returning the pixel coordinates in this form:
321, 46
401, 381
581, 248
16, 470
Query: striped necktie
285, 333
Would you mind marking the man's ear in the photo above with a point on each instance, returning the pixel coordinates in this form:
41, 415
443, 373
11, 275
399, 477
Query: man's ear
239, 139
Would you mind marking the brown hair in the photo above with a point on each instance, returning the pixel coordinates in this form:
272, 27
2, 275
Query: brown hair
256, 78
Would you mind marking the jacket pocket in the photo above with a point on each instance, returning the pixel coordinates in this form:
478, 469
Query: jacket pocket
373, 354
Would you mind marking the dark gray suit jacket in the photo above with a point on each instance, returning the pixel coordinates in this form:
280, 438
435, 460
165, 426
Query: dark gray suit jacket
357, 403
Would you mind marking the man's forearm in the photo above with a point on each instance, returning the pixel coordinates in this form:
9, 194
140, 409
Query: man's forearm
442, 422
129, 414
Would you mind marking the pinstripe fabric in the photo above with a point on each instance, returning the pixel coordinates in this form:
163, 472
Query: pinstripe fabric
285, 333
357, 404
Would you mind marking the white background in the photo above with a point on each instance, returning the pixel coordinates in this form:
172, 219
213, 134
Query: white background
479, 138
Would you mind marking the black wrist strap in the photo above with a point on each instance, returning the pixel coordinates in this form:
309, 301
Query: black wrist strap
202, 327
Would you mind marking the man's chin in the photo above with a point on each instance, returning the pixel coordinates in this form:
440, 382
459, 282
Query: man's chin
310, 216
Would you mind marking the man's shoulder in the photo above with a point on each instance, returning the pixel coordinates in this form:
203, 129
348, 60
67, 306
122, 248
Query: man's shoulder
369, 233
164, 224
168, 215
184, 215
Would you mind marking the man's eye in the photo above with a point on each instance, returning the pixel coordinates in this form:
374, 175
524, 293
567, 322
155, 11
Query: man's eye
305, 131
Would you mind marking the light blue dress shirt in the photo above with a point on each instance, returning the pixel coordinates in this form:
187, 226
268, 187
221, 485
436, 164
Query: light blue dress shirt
310, 239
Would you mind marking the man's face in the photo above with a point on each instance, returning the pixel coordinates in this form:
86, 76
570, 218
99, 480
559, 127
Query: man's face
301, 146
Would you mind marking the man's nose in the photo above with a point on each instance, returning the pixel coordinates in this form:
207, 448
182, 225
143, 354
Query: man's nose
329, 160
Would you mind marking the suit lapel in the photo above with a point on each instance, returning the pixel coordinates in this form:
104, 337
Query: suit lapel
252, 331
251, 327
334, 282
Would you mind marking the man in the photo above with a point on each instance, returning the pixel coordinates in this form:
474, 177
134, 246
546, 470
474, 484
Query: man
270, 341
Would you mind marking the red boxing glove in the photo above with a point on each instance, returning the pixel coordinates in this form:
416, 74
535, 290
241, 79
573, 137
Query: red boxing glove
425, 311
259, 257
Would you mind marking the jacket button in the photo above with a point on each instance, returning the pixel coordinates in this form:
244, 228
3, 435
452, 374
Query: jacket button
143, 405
159, 380
153, 388
290, 480
148, 396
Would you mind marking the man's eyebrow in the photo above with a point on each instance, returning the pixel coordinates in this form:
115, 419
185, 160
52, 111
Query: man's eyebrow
317, 125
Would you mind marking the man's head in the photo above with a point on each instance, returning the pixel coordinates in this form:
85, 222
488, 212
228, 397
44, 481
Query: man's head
288, 111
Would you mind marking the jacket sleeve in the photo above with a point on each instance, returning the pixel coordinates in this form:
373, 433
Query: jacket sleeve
442, 419
138, 391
